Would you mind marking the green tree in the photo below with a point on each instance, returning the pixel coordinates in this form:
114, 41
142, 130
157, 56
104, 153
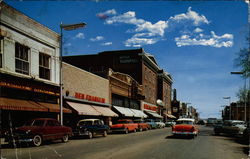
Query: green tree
243, 59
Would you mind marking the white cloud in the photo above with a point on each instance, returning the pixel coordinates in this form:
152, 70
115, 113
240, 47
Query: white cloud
198, 30
147, 33
247, 1
135, 41
190, 15
212, 40
97, 38
128, 18
80, 36
106, 43
109, 12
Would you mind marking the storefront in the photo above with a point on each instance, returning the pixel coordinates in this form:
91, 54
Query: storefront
86, 95
23, 99
151, 110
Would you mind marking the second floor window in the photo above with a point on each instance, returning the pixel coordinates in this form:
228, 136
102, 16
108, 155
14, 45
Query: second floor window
44, 66
22, 58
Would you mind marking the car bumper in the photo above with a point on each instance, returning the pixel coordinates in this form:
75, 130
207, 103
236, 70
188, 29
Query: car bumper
184, 133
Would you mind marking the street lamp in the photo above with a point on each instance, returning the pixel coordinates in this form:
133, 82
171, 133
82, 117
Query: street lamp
229, 99
66, 27
245, 94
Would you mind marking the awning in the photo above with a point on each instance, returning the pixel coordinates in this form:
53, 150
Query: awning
124, 111
138, 113
84, 109
28, 105
154, 114
170, 116
105, 111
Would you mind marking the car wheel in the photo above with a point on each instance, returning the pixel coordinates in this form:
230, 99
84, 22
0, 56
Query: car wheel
140, 129
90, 135
126, 131
65, 138
37, 140
135, 130
104, 133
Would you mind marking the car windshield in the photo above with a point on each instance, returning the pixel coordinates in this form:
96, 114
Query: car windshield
34, 123
184, 122
123, 121
138, 121
85, 123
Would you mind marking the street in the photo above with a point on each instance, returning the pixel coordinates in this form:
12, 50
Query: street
153, 144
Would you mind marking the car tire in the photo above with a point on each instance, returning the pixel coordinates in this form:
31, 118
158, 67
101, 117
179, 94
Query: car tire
140, 129
37, 140
65, 138
126, 131
135, 130
104, 133
90, 135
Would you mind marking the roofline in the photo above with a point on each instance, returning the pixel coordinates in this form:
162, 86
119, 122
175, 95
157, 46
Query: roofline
16, 10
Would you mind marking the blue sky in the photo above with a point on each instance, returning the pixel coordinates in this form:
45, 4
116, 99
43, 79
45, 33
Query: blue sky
195, 41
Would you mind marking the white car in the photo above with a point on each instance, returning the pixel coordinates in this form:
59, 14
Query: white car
160, 124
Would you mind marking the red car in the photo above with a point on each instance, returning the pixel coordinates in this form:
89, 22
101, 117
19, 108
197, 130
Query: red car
124, 125
142, 125
185, 126
37, 131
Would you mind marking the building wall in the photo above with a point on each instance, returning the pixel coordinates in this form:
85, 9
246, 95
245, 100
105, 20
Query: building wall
16, 27
81, 81
149, 84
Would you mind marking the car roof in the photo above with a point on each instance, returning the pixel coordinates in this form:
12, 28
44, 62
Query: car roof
186, 119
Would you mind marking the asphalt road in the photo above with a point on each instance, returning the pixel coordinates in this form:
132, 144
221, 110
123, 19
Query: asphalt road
153, 144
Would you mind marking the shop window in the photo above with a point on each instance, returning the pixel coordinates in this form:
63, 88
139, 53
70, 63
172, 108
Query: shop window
44, 66
22, 58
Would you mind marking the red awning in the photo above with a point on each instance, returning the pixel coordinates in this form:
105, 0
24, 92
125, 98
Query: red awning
28, 105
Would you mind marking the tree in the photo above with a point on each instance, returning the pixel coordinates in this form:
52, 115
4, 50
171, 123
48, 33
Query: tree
243, 59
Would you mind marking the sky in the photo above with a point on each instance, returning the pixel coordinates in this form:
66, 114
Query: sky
195, 41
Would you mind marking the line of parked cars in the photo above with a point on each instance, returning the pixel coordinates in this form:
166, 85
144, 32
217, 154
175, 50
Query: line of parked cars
39, 130
232, 127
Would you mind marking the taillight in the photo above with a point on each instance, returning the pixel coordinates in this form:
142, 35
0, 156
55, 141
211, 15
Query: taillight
173, 128
192, 129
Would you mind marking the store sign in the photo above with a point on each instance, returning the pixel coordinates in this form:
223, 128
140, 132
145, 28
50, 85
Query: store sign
127, 59
28, 88
150, 107
89, 97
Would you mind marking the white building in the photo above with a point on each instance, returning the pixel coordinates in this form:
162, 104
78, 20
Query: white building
29, 67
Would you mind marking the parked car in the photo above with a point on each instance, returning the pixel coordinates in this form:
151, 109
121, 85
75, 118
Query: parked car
170, 123
231, 127
185, 126
124, 125
90, 128
37, 131
151, 123
142, 125
159, 123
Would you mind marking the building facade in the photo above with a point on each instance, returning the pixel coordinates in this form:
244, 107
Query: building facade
86, 94
29, 68
136, 63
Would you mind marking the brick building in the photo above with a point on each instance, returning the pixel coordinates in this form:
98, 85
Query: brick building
140, 65
86, 94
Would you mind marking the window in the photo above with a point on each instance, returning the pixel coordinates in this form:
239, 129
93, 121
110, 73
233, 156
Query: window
44, 66
22, 58
1, 52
